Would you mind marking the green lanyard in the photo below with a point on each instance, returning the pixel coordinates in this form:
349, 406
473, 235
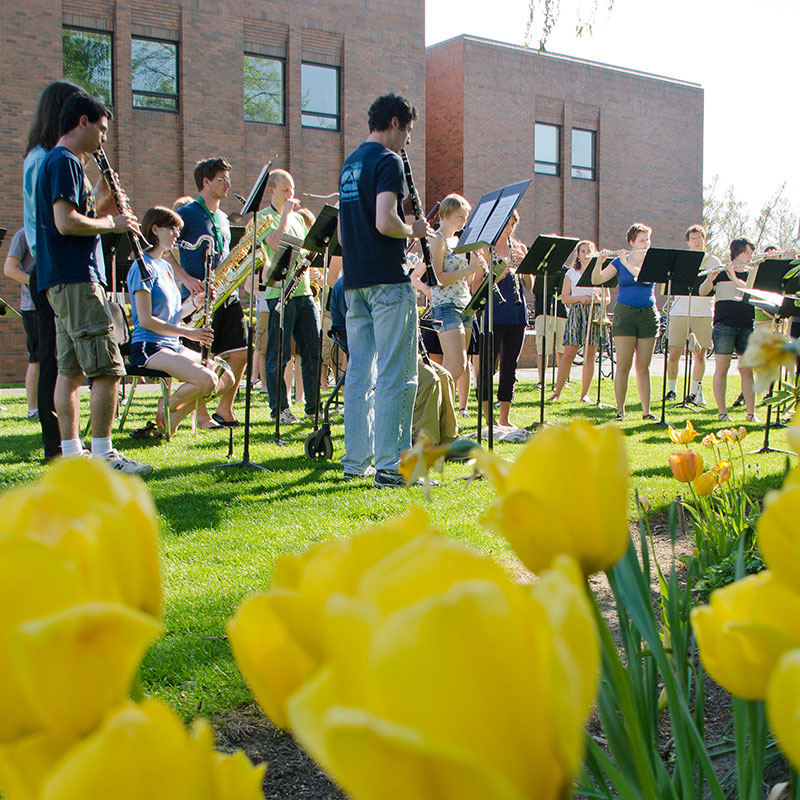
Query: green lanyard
214, 227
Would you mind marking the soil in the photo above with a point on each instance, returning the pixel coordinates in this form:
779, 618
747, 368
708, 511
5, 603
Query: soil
292, 775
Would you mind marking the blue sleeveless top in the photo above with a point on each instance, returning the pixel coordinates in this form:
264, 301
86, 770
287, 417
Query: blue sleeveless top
631, 293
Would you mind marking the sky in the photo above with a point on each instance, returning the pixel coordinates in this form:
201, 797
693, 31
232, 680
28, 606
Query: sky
744, 53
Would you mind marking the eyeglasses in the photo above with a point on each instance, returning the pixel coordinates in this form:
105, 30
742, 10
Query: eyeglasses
224, 180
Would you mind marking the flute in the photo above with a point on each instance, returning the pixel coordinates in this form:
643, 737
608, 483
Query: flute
121, 199
430, 275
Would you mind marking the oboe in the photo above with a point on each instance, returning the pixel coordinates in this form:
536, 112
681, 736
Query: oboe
430, 274
293, 283
121, 199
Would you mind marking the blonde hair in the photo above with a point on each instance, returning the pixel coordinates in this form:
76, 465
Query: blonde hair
452, 203
275, 176
182, 201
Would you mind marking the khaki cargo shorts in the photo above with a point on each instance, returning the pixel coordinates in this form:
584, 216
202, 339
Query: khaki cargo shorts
85, 343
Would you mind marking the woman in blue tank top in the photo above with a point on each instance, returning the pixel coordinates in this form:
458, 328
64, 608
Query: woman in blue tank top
635, 317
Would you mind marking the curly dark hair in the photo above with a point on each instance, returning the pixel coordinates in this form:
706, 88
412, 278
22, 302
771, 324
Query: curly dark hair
388, 106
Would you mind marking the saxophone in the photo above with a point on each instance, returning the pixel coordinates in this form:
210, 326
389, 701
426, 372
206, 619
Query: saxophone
232, 272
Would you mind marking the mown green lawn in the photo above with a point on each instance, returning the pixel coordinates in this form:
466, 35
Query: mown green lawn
223, 528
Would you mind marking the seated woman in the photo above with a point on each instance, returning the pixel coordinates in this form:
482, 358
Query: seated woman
448, 300
580, 330
733, 324
635, 317
157, 314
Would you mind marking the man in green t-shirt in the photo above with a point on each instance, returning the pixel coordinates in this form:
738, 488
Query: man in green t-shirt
300, 313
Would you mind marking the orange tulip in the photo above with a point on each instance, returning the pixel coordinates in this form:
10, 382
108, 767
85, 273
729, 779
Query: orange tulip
722, 472
685, 466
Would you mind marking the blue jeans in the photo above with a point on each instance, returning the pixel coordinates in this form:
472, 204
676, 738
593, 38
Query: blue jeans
381, 375
301, 321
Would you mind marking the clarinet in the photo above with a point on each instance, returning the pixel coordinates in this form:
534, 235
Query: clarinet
121, 199
293, 283
514, 277
430, 275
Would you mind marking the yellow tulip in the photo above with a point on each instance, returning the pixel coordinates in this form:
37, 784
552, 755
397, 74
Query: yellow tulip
64, 659
685, 436
105, 522
536, 507
685, 465
722, 472
745, 630
778, 534
467, 689
783, 705
704, 483
710, 441
276, 637
143, 752
767, 353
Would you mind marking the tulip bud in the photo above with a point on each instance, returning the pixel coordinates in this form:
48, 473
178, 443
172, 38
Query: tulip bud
685, 466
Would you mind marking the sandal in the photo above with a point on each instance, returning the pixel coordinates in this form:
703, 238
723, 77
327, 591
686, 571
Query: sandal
724, 417
648, 417
149, 431
620, 416
752, 418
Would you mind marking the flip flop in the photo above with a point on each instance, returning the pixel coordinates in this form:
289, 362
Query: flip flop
149, 431
224, 423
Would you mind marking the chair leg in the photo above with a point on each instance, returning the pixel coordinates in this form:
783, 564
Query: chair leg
165, 394
128, 401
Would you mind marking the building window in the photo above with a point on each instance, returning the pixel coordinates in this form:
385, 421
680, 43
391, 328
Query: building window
320, 97
583, 155
154, 70
87, 61
547, 149
263, 89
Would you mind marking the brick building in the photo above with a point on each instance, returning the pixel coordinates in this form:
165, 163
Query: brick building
189, 79
604, 146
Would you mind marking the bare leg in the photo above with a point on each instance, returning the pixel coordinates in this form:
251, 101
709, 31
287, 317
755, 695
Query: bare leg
103, 405
625, 346
237, 361
32, 385
454, 352
67, 403
463, 390
748, 390
644, 354
673, 362
505, 409
699, 366
587, 374
564, 365
722, 362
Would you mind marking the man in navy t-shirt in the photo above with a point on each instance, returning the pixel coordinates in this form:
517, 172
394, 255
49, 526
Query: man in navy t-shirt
381, 304
204, 217
70, 269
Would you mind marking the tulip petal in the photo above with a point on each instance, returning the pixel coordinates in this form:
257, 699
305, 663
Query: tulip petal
783, 705
76, 664
268, 656
25, 763
779, 535
235, 778
139, 751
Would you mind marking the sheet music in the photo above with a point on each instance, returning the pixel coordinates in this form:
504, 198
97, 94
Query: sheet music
497, 220
482, 213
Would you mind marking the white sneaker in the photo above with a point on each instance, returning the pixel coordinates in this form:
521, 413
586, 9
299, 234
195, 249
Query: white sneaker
126, 465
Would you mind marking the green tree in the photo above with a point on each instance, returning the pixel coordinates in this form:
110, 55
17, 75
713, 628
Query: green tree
87, 61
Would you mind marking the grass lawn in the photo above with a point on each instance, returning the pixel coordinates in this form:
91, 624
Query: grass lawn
223, 529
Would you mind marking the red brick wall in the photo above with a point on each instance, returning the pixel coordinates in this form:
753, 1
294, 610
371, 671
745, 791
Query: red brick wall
378, 45
649, 139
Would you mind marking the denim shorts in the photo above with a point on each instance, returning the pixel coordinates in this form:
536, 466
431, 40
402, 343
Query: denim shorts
451, 318
728, 339
640, 323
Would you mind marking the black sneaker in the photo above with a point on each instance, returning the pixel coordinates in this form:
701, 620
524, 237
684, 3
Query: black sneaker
384, 479
670, 395
369, 472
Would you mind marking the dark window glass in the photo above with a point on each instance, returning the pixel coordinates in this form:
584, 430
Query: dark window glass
547, 149
583, 154
87, 61
154, 70
320, 96
263, 89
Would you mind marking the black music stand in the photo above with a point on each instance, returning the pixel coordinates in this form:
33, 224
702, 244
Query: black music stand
283, 261
484, 227
769, 277
689, 290
586, 281
251, 206
322, 238
662, 265
545, 260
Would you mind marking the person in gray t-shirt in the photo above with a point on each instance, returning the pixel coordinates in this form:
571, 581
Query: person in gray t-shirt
18, 266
